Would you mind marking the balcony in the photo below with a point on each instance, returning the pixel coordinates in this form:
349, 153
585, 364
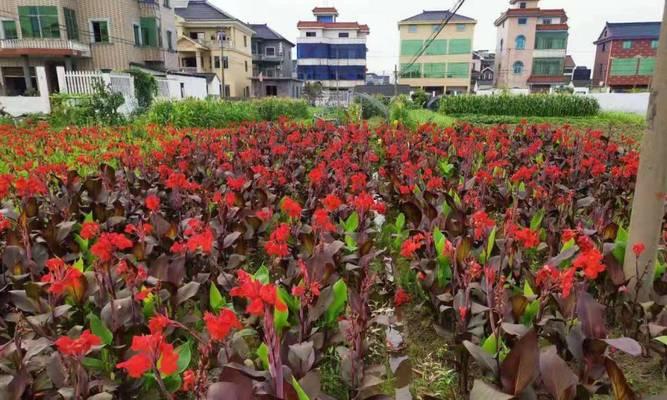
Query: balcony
153, 54
549, 53
44, 47
261, 57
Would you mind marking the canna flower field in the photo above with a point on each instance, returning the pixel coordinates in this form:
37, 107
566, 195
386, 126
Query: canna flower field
282, 261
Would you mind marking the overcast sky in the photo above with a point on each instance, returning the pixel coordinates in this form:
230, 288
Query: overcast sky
586, 19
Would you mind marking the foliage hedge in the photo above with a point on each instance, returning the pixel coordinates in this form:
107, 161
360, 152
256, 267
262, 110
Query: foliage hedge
221, 113
534, 105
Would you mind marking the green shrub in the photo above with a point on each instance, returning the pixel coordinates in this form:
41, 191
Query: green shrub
100, 108
538, 105
222, 113
373, 106
399, 111
420, 98
145, 88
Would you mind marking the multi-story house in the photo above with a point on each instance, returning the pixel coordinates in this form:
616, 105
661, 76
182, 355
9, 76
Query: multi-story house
84, 34
445, 65
373, 79
210, 40
531, 47
625, 55
332, 52
272, 68
483, 64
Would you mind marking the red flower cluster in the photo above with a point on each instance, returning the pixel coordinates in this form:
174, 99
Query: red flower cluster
259, 296
638, 249
322, 222
590, 261
401, 297
64, 278
332, 203
89, 230
29, 187
79, 347
291, 207
220, 325
236, 184
308, 289
481, 224
105, 246
200, 238
528, 238
277, 245
152, 202
152, 352
411, 245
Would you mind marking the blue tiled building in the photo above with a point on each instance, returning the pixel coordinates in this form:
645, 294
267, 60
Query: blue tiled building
332, 52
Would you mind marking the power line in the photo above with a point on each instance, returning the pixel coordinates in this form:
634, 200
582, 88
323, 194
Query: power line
434, 34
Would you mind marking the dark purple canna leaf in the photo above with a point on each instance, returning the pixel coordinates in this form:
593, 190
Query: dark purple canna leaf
521, 366
557, 377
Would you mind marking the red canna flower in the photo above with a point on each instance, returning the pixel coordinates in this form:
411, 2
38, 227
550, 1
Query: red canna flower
322, 222
152, 202
189, 378
64, 278
158, 323
411, 245
528, 238
481, 224
77, 348
591, 262
137, 365
89, 230
277, 245
264, 214
291, 207
401, 297
152, 350
332, 203
236, 184
259, 296
638, 249
108, 243
219, 326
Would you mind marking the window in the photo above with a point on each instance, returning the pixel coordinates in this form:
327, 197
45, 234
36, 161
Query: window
520, 42
546, 21
647, 66
411, 47
627, 44
548, 66
624, 66
522, 5
99, 30
270, 51
343, 34
460, 27
437, 48
460, 46
435, 70
166, 3
311, 34
518, 68
414, 71
39, 22
523, 21
226, 62
137, 34
550, 40
604, 47
170, 45
412, 28
435, 28
457, 70
216, 62
71, 24
502, 43
149, 33
245, 41
246, 66
654, 44
9, 29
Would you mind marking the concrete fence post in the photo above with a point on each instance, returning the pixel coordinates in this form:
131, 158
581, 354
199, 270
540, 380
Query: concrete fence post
43, 87
62, 81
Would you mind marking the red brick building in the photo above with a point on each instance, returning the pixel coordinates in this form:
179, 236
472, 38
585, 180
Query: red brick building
625, 55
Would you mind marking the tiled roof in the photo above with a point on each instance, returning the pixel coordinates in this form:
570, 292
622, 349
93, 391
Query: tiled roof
630, 30
262, 31
435, 15
325, 10
532, 12
333, 25
569, 62
202, 10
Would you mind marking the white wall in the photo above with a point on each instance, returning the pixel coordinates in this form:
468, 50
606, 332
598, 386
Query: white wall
193, 86
636, 103
20, 105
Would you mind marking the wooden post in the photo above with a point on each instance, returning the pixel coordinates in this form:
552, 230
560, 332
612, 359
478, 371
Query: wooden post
648, 207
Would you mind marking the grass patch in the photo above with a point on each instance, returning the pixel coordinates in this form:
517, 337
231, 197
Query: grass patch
425, 116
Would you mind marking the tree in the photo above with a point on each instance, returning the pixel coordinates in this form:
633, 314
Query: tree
312, 91
648, 207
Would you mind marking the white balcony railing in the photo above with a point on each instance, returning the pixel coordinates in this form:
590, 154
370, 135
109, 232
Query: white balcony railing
55, 44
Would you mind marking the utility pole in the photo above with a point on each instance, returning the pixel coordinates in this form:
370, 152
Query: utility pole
223, 93
395, 80
648, 206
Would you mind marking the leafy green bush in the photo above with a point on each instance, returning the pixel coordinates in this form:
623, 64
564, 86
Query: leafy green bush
373, 106
222, 113
540, 105
419, 98
145, 88
399, 111
81, 110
